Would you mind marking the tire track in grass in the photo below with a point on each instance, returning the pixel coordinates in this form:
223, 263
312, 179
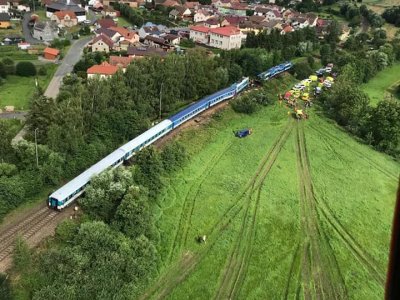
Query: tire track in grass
178, 272
293, 267
368, 262
189, 202
359, 154
325, 278
237, 264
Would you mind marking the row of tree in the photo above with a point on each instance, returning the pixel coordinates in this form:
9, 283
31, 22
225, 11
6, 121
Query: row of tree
349, 106
354, 13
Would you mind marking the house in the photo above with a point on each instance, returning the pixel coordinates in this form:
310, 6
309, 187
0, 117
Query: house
45, 31
66, 18
50, 53
141, 52
102, 43
151, 29
299, 22
172, 39
192, 5
108, 11
167, 3
4, 20
131, 3
226, 38
271, 25
121, 62
180, 12
105, 23
199, 34
200, 16
286, 29
273, 15
312, 19
112, 34
66, 5
212, 22
155, 42
232, 20
24, 45
4, 6
21, 7
128, 35
258, 19
102, 71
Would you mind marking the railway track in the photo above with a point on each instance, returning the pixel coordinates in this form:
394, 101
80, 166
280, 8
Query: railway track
179, 271
25, 229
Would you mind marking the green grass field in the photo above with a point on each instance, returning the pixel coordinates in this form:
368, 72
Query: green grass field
18, 90
383, 84
296, 210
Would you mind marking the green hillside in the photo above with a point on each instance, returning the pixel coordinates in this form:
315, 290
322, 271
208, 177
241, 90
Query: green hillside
299, 208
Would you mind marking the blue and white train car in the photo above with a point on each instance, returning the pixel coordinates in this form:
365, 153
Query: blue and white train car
275, 71
73, 189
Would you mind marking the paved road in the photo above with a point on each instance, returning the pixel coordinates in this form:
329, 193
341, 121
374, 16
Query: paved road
15, 115
26, 30
72, 57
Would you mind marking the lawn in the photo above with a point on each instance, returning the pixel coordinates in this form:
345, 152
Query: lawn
383, 84
284, 216
15, 30
18, 90
122, 21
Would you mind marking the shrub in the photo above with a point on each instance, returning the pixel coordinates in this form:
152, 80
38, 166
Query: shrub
9, 66
26, 69
42, 71
245, 104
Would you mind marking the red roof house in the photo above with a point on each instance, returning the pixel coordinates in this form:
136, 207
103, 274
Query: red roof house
50, 53
103, 70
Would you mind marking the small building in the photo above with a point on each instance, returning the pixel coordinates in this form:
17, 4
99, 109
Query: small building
180, 12
120, 61
128, 35
5, 20
66, 18
110, 12
19, 5
66, 5
105, 23
102, 43
172, 39
4, 6
24, 45
45, 31
51, 53
141, 52
102, 71
199, 34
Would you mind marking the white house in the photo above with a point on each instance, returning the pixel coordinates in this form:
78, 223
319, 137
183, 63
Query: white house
201, 16
4, 6
226, 38
199, 34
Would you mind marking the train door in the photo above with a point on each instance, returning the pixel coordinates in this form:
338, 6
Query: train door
53, 202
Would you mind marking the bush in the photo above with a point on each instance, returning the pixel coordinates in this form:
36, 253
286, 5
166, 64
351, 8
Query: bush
42, 71
9, 66
26, 69
245, 104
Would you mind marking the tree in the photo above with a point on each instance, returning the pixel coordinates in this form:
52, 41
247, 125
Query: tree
302, 70
3, 72
326, 54
133, 216
9, 66
25, 68
173, 156
384, 126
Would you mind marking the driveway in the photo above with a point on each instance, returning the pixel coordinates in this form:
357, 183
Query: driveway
67, 65
27, 31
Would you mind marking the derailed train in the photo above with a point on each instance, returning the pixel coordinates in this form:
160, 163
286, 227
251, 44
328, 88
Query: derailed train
74, 188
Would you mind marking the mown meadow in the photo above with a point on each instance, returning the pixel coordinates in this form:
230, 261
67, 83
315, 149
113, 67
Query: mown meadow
298, 208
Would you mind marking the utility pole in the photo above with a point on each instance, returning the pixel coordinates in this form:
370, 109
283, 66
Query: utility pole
160, 97
33, 1
37, 157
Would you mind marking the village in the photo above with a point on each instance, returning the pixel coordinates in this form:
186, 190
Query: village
222, 24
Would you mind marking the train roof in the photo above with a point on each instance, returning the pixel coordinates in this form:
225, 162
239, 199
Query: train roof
201, 102
84, 177
137, 141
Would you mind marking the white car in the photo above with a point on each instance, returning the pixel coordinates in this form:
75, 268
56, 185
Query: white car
328, 69
299, 86
306, 81
327, 84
